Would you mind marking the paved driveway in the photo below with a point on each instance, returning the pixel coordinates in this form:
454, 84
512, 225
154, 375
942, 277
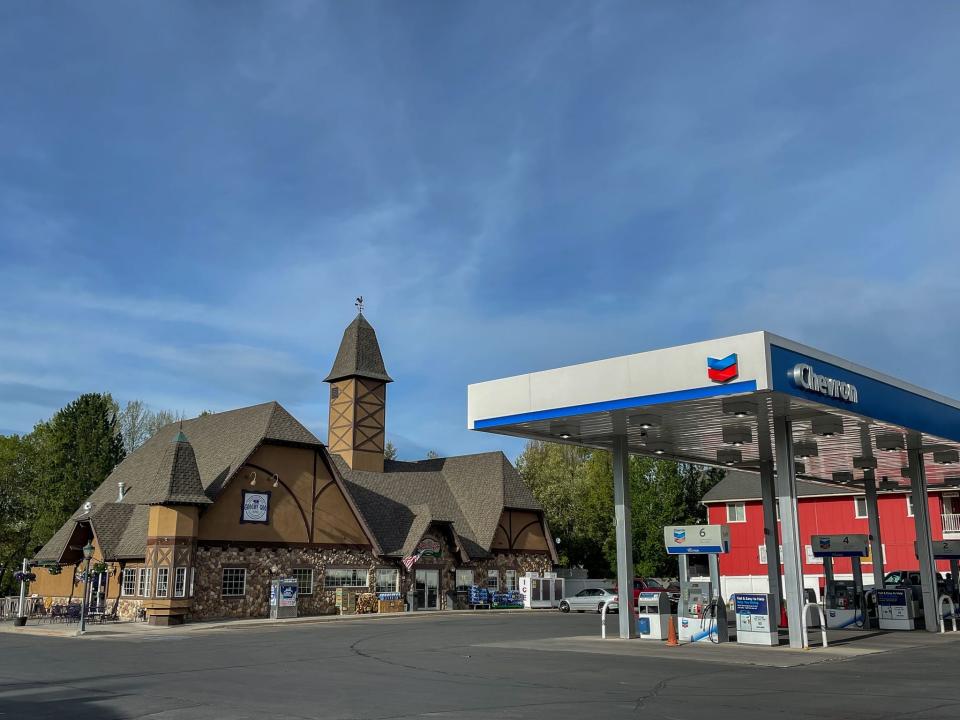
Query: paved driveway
467, 666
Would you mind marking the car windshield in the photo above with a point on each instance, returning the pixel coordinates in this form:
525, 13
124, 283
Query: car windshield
893, 578
653, 583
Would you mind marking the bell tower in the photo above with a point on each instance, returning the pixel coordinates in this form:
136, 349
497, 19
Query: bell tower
358, 398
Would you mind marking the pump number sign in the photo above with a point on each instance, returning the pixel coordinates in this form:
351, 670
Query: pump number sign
693, 539
839, 545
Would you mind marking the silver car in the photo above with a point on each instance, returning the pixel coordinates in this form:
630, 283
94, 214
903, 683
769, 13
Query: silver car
591, 599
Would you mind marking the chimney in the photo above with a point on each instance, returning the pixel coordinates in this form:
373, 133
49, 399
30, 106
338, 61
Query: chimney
120, 490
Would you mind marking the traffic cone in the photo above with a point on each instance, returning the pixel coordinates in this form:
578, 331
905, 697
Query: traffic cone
672, 632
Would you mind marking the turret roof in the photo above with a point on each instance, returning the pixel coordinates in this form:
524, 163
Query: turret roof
359, 354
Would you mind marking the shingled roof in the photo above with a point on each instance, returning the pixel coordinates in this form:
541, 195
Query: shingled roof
359, 354
469, 492
739, 485
178, 470
155, 474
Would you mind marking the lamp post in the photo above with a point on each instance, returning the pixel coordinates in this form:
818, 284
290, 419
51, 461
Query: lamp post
87, 555
22, 607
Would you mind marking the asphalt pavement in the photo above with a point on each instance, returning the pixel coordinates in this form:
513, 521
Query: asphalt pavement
498, 665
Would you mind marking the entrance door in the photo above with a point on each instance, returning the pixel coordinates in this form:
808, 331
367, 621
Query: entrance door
427, 589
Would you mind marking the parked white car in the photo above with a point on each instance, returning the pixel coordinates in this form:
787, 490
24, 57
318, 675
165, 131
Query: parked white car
591, 599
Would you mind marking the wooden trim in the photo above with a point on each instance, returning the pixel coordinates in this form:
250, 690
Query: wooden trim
335, 474
223, 544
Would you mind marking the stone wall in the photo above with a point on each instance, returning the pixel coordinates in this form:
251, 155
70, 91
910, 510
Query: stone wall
126, 610
265, 564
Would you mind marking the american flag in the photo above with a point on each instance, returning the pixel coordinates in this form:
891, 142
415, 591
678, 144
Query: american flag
410, 560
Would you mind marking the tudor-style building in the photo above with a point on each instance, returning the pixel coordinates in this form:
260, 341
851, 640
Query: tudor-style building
196, 522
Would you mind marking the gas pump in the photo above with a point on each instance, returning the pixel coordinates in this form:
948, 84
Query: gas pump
844, 601
701, 612
949, 550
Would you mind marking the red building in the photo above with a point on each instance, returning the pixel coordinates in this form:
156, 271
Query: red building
823, 509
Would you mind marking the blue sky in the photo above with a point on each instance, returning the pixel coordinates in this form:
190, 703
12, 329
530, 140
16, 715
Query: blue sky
191, 194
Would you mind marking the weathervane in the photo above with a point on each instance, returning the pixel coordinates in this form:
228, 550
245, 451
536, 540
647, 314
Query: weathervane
359, 304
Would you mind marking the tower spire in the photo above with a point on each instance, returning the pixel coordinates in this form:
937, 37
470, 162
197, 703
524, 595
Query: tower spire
358, 397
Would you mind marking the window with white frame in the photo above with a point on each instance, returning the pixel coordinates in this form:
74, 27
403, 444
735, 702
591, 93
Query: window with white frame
465, 579
736, 513
233, 582
909, 505
143, 588
180, 582
493, 579
163, 582
129, 586
346, 577
762, 553
510, 580
859, 507
304, 578
388, 580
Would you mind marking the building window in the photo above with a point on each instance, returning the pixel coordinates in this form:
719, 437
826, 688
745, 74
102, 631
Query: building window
304, 577
762, 553
510, 578
860, 507
464, 579
234, 582
736, 513
387, 580
163, 581
129, 582
909, 505
493, 579
346, 577
144, 585
180, 582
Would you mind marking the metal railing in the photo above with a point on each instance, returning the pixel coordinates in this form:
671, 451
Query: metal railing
952, 615
951, 522
823, 625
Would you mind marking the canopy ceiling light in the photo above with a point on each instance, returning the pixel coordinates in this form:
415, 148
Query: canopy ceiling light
905, 472
739, 408
799, 468
886, 484
805, 449
729, 457
890, 442
657, 448
946, 457
737, 436
644, 422
843, 477
952, 481
865, 463
827, 425
564, 430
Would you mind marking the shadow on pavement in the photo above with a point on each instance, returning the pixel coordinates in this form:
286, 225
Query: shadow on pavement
43, 708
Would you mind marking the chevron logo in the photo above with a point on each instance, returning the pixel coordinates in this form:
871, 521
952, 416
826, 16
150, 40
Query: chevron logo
722, 370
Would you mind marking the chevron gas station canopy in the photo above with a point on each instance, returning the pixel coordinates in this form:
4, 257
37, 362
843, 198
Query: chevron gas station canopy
712, 403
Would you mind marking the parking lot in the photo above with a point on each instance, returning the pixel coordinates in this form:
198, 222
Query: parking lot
476, 665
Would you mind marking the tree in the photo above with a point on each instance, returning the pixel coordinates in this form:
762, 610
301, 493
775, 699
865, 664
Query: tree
19, 474
575, 487
390, 451
82, 444
432, 454
137, 423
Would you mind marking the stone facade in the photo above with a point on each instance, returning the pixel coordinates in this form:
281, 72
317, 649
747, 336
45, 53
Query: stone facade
264, 564
127, 608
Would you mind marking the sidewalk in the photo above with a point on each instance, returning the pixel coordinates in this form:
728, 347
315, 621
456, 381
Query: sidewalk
127, 629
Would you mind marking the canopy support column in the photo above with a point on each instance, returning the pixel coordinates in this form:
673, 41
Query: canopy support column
771, 540
786, 484
624, 536
921, 521
873, 522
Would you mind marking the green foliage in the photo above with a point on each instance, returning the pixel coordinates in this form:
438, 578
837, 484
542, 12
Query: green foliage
390, 451
575, 487
46, 475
